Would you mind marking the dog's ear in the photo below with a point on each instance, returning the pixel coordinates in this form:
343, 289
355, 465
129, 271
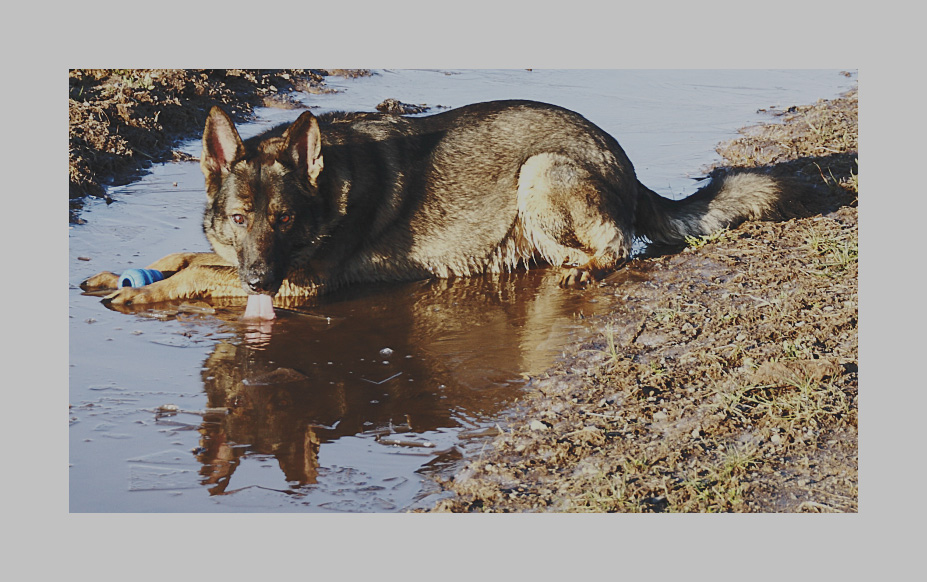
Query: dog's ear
221, 144
303, 146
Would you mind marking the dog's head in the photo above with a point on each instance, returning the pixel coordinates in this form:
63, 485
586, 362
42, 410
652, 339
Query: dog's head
263, 203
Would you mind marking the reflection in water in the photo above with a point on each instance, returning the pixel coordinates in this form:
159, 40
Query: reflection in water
377, 361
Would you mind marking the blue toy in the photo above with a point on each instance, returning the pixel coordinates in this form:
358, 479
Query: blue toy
139, 277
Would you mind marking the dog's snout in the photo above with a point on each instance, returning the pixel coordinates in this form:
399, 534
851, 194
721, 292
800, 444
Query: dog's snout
260, 280
256, 284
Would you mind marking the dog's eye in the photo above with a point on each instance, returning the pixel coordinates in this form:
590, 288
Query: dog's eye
238, 218
285, 218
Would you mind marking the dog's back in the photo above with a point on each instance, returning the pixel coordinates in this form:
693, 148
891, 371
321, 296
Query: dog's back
478, 189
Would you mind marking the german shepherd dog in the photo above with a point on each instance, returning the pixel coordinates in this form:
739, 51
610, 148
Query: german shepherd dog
360, 197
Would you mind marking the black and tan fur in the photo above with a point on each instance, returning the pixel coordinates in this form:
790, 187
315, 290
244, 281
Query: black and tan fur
352, 198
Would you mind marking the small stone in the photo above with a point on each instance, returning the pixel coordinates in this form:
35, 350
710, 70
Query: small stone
537, 425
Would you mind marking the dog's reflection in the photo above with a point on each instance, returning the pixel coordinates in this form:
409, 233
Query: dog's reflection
407, 358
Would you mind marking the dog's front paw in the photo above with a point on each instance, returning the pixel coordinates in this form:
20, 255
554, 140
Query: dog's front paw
125, 296
576, 277
104, 280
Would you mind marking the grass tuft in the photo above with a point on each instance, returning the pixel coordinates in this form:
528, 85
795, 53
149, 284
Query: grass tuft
697, 242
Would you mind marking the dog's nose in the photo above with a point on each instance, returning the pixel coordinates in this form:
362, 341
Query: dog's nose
259, 280
259, 285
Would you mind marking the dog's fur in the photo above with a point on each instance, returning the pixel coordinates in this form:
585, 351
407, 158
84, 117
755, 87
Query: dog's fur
349, 198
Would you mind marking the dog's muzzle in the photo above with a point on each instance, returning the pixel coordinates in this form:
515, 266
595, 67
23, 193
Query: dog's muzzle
260, 281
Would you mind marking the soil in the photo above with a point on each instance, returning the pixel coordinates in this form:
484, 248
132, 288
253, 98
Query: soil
724, 379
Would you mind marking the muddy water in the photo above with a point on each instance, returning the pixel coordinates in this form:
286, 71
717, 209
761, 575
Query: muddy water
346, 404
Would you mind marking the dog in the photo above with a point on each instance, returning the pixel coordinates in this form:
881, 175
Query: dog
348, 198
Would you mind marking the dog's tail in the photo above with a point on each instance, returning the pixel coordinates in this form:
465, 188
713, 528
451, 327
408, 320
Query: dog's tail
724, 203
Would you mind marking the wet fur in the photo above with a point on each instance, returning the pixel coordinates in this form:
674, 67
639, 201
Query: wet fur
351, 198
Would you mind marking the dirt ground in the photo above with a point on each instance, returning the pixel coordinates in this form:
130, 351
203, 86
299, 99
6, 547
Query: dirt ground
725, 379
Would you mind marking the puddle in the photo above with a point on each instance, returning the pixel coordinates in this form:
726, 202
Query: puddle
346, 404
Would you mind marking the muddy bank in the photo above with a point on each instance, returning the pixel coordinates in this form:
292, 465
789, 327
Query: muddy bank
726, 379
123, 120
